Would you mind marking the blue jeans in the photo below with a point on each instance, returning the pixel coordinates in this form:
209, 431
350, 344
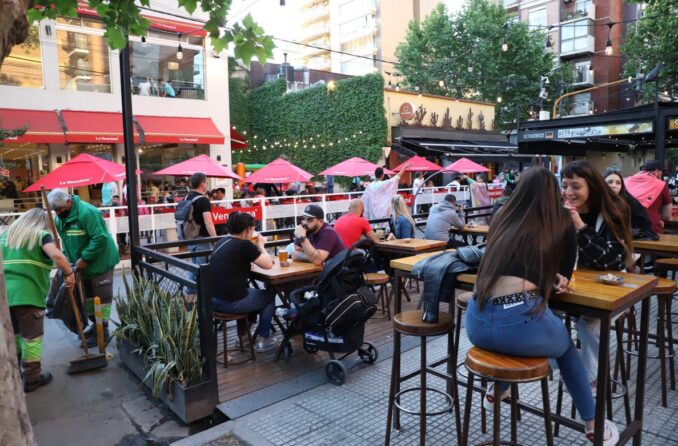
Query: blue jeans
197, 261
259, 301
519, 331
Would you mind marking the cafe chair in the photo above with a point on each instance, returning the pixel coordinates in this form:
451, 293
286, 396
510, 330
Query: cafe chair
242, 328
664, 336
509, 369
380, 280
410, 323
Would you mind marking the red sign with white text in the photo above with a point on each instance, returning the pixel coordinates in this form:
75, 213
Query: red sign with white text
220, 215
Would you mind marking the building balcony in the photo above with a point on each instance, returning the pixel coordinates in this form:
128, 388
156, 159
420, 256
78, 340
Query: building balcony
365, 31
315, 14
577, 46
575, 11
511, 4
310, 52
319, 63
316, 31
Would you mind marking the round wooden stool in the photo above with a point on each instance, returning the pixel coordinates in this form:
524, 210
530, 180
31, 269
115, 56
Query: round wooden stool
380, 280
410, 323
508, 369
240, 319
664, 291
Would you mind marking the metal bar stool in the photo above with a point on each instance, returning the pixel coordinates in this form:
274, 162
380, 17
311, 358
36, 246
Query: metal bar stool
410, 323
508, 369
380, 280
225, 318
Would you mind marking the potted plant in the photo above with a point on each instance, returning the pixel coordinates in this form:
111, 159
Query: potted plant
158, 340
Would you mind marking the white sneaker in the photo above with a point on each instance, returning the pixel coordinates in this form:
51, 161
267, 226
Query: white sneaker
610, 434
488, 401
265, 344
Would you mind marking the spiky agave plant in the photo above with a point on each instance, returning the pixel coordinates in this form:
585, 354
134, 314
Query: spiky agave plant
164, 331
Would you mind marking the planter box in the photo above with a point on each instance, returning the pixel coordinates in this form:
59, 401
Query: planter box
189, 404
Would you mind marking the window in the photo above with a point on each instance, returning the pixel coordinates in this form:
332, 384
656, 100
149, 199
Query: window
357, 66
83, 56
355, 7
359, 45
537, 18
574, 36
356, 25
581, 6
581, 72
23, 66
156, 71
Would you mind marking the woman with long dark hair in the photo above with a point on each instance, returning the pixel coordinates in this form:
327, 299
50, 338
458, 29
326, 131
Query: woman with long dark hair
641, 226
531, 252
603, 223
231, 264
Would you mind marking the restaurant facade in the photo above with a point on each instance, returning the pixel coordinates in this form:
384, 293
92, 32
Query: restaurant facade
63, 86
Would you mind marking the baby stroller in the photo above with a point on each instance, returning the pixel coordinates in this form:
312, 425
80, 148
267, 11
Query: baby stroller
331, 314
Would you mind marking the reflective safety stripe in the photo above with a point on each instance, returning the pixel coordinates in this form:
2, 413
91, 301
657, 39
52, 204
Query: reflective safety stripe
17, 341
106, 311
75, 232
27, 262
32, 350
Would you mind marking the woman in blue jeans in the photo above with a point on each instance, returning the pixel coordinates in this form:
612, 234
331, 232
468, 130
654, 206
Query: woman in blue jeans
531, 252
230, 267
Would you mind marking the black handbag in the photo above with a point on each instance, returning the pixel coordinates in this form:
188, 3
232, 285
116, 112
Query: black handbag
350, 311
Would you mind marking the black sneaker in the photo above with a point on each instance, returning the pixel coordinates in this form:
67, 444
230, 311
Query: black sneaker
92, 340
45, 378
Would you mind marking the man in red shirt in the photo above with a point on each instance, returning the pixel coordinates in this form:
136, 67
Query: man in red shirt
653, 193
352, 226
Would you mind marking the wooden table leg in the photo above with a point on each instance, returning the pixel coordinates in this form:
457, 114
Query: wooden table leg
642, 369
603, 376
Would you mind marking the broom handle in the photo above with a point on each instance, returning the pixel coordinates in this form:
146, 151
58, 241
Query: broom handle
71, 297
78, 321
52, 226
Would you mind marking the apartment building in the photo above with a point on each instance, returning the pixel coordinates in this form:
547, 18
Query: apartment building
578, 34
365, 31
63, 84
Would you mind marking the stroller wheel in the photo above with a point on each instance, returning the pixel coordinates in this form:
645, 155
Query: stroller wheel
287, 351
336, 372
368, 353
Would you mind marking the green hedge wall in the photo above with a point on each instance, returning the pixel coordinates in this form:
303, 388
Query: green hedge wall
346, 122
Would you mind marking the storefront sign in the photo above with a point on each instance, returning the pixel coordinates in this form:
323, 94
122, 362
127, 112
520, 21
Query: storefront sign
220, 215
673, 124
536, 136
606, 130
407, 111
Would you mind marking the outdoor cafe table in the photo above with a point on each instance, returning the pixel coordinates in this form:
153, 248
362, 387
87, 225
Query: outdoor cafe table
589, 298
279, 276
408, 246
666, 246
472, 233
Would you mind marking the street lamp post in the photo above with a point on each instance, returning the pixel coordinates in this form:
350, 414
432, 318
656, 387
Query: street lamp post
130, 156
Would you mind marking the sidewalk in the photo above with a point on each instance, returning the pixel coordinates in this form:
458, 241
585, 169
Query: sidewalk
355, 413
98, 408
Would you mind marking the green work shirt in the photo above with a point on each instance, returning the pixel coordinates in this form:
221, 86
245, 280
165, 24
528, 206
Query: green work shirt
26, 273
85, 236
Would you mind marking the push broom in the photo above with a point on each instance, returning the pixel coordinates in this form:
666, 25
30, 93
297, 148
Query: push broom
88, 361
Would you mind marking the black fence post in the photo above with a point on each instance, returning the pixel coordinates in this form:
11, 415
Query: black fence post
208, 340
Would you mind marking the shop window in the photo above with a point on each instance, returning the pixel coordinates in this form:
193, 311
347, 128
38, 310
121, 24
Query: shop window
83, 61
156, 71
23, 66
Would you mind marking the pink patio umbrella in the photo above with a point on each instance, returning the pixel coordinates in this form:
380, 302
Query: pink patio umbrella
82, 170
353, 167
279, 171
465, 165
200, 163
419, 164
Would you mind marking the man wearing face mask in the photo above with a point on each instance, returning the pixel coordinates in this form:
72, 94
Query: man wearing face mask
315, 241
87, 244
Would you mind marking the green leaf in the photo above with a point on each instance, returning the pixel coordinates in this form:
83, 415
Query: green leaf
116, 39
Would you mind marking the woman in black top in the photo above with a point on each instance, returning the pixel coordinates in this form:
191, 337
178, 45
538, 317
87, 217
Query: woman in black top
230, 267
530, 254
603, 223
641, 227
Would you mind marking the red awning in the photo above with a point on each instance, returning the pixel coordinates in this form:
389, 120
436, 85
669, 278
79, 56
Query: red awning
238, 142
163, 129
168, 25
42, 125
94, 127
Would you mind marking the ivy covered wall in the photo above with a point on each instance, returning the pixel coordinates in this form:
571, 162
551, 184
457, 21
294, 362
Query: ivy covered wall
317, 127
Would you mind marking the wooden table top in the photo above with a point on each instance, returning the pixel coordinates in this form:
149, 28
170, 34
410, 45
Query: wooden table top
277, 274
412, 245
666, 243
587, 290
671, 222
407, 263
478, 230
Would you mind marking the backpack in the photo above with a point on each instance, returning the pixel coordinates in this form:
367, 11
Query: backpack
187, 227
352, 310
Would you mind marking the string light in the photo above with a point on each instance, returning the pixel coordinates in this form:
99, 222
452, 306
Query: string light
441, 83
609, 50
499, 99
504, 45
180, 51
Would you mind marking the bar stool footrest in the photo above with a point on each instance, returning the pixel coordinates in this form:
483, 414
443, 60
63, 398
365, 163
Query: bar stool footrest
448, 398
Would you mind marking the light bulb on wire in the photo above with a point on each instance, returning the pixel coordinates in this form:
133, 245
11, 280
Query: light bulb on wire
441, 83
499, 99
180, 52
609, 50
